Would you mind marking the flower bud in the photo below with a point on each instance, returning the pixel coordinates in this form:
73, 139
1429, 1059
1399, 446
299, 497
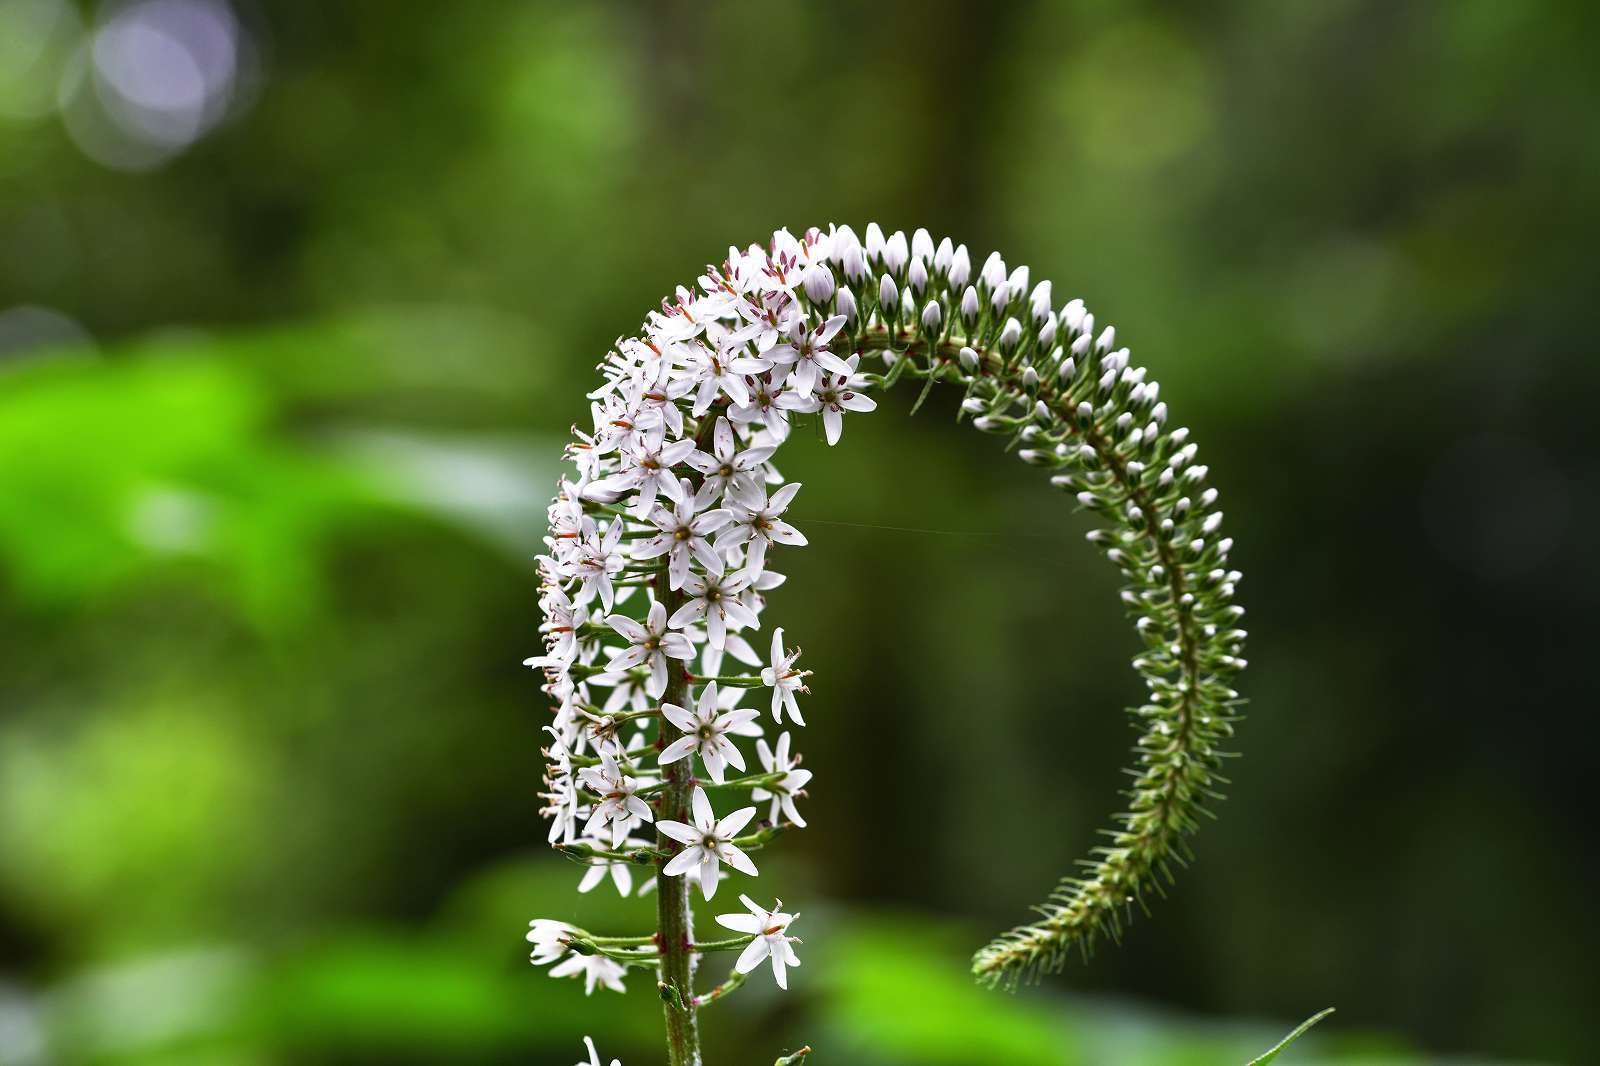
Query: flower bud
854, 264
1069, 370
1039, 302
1047, 332
1030, 379
818, 283
943, 257
1000, 299
888, 298
960, 267
844, 239
969, 358
972, 405
1072, 316
874, 241
1081, 345
847, 304
1108, 337
932, 314
1018, 281
917, 276
895, 252
994, 272
922, 244
969, 306
1010, 334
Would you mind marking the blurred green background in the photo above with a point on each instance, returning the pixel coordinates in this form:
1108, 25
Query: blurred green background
298, 298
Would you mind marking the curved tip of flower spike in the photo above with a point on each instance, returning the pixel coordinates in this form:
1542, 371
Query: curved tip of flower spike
794, 1059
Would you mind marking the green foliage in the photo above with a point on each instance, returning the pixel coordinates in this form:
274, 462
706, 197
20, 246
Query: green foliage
118, 472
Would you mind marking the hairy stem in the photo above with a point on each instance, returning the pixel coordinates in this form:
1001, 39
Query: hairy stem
674, 917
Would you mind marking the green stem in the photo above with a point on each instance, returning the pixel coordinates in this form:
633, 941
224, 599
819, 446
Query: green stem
735, 979
722, 945
737, 680
674, 917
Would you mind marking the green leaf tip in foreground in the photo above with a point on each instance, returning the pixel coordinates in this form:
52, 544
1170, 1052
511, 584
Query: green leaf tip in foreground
1300, 1031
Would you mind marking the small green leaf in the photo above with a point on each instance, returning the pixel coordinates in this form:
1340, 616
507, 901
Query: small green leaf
1291, 1038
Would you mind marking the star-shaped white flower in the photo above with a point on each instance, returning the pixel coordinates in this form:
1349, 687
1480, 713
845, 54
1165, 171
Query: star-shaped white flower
549, 939
597, 971
714, 598
618, 806
726, 465
598, 557
785, 680
708, 843
647, 470
685, 533
724, 372
706, 730
765, 407
807, 350
561, 625
836, 394
621, 873
772, 939
757, 522
650, 643
785, 789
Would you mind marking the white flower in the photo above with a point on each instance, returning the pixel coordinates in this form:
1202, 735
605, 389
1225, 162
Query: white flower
594, 1056
561, 624
597, 558
714, 597
650, 643
646, 470
725, 466
756, 521
705, 731
719, 372
766, 404
836, 394
563, 808
709, 843
783, 792
549, 939
770, 929
784, 680
621, 872
596, 970
684, 532
618, 806
807, 350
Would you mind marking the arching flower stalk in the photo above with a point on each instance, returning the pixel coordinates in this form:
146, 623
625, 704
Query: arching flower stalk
667, 532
